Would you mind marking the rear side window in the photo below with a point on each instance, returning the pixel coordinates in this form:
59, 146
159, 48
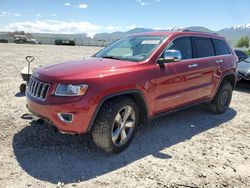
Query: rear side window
221, 47
203, 47
183, 44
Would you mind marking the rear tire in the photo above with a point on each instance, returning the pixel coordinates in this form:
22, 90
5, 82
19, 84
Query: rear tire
116, 124
222, 99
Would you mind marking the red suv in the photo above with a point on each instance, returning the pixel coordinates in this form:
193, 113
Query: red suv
133, 80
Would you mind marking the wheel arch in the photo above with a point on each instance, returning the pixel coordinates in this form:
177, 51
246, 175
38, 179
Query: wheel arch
136, 95
230, 77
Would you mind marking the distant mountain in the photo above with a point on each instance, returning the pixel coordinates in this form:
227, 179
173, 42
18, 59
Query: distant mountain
116, 35
119, 34
233, 34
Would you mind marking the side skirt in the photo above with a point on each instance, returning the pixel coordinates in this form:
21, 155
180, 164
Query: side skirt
177, 110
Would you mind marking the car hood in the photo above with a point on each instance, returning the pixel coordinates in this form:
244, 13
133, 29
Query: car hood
244, 67
82, 69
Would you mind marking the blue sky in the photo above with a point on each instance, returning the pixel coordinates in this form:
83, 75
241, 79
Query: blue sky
92, 16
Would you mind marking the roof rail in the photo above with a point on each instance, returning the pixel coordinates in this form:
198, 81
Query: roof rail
187, 30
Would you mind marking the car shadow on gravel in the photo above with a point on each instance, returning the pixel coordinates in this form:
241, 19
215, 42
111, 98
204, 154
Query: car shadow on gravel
20, 94
53, 157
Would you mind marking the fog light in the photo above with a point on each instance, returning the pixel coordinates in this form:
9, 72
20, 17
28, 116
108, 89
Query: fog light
66, 117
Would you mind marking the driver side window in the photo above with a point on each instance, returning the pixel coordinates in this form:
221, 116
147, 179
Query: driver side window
183, 44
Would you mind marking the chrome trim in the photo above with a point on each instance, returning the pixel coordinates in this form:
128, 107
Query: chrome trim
193, 65
35, 90
62, 119
184, 35
172, 55
219, 61
170, 98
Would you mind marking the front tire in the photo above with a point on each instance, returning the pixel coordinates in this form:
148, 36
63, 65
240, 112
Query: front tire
222, 99
116, 124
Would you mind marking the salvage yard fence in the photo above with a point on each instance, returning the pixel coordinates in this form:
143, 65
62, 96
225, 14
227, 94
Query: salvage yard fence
51, 41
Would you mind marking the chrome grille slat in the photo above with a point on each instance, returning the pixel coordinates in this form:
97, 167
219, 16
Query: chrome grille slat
35, 87
29, 85
32, 84
43, 88
38, 89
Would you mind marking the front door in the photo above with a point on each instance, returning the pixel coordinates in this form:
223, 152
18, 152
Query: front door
188, 81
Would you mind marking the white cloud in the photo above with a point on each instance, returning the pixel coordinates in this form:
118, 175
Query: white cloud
91, 34
83, 6
158, 28
111, 27
131, 27
142, 3
38, 15
54, 15
53, 26
4, 13
17, 14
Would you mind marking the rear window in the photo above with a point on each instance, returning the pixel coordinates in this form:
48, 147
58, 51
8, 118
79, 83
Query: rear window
221, 47
203, 47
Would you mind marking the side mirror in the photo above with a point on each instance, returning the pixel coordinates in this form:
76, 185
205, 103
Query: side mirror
170, 56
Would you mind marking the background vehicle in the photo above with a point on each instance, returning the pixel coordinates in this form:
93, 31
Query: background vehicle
241, 55
3, 41
243, 69
135, 79
68, 42
19, 39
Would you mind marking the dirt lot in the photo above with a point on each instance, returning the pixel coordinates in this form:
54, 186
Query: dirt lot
192, 148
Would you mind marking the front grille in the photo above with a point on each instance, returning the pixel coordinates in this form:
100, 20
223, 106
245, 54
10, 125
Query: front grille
38, 89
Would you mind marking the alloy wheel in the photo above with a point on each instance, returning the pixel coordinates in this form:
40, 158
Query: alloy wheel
123, 126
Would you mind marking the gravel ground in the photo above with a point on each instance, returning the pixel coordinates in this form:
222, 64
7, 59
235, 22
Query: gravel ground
191, 148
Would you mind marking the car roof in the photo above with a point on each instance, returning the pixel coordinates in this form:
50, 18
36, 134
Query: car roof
179, 33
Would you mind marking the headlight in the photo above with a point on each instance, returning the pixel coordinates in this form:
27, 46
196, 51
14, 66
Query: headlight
71, 89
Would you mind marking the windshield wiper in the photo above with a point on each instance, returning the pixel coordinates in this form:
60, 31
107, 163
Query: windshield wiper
111, 57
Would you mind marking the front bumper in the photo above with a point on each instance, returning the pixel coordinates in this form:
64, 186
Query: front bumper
79, 124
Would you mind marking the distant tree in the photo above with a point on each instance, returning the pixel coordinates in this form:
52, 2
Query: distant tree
243, 42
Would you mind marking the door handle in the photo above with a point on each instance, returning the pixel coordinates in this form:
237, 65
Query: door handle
193, 65
219, 61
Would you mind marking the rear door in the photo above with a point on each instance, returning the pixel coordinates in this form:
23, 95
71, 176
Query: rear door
223, 54
179, 83
204, 66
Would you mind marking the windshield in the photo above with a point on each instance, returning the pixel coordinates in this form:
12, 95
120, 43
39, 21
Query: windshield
134, 48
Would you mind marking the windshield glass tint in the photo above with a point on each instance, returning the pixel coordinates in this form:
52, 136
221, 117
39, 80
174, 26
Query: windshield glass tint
134, 48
